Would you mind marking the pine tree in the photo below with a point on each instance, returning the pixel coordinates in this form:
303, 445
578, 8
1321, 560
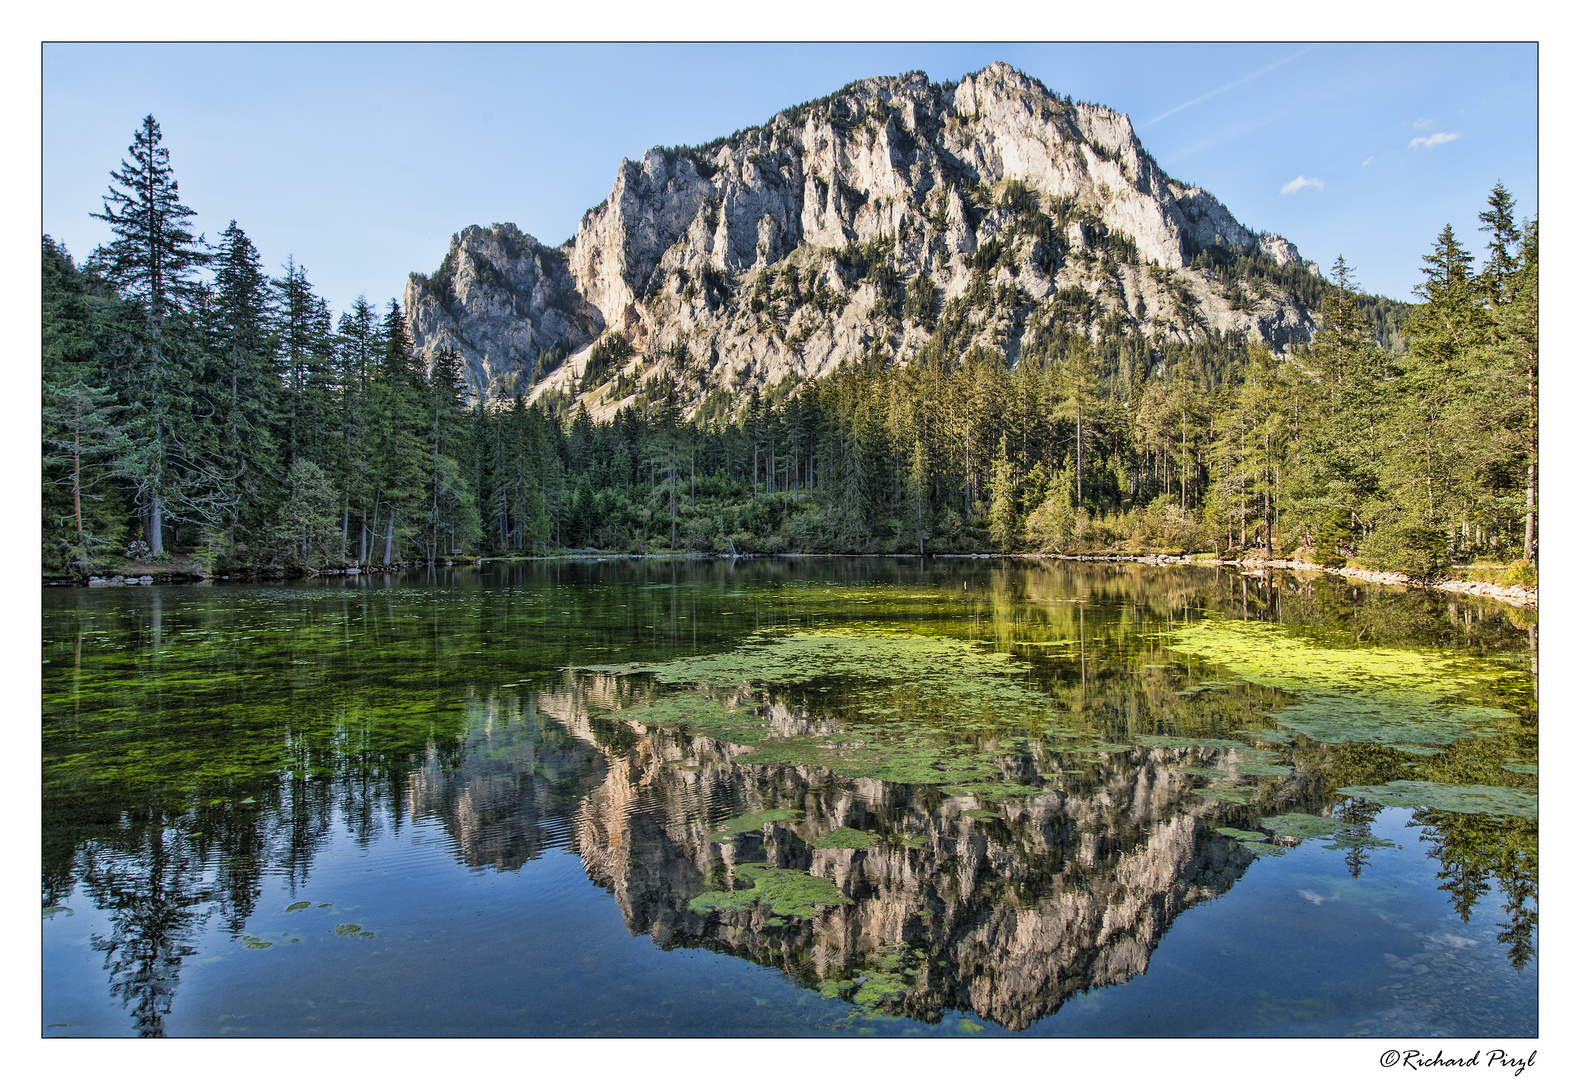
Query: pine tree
1428, 445
1503, 257
1003, 519
306, 346
452, 512
152, 261
85, 444
244, 382
84, 449
1511, 402
400, 453
1333, 491
1079, 387
358, 346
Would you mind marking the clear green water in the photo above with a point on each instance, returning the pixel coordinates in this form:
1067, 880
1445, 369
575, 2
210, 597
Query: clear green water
770, 798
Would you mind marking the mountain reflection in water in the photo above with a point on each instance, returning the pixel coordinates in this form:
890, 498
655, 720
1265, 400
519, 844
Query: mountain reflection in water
1006, 915
762, 824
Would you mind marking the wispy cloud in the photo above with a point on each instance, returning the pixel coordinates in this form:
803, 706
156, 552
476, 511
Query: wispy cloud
1423, 123
1257, 74
1368, 161
1300, 182
1437, 138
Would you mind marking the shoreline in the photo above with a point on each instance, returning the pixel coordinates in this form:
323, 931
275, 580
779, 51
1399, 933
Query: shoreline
138, 574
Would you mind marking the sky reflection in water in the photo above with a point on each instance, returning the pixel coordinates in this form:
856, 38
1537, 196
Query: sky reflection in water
787, 797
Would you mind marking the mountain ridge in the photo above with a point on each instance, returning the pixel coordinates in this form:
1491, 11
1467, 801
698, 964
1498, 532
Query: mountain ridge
854, 226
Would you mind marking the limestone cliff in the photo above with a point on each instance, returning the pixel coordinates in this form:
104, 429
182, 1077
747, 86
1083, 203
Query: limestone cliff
889, 214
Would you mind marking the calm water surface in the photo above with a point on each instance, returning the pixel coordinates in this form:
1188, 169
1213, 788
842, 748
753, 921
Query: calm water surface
773, 798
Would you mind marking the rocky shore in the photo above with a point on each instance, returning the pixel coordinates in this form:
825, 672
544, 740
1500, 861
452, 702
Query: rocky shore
1517, 595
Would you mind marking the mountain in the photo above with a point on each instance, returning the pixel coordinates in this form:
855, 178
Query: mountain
870, 222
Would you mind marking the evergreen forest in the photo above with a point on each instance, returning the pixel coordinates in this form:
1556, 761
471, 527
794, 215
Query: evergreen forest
195, 406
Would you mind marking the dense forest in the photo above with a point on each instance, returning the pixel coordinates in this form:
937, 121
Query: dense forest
192, 404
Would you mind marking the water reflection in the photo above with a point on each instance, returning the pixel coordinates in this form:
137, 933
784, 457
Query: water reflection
194, 750
1005, 912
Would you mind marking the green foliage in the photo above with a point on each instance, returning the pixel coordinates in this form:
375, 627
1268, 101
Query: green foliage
308, 522
1521, 572
608, 356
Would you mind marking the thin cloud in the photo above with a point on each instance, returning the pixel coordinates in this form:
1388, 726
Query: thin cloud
1368, 161
1257, 74
1423, 123
1437, 138
1300, 182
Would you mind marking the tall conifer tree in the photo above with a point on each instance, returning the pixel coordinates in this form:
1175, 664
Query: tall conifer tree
152, 261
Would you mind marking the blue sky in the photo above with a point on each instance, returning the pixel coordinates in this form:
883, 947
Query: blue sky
361, 160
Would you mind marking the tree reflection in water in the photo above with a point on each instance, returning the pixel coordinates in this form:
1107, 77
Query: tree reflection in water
1005, 901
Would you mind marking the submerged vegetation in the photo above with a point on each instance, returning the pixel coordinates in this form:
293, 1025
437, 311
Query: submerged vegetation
785, 752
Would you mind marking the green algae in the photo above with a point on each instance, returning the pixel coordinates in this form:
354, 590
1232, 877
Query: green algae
1300, 826
697, 711
345, 929
1396, 697
783, 891
1264, 848
1263, 770
845, 837
299, 905
866, 754
966, 676
752, 822
1240, 834
1238, 796
1453, 798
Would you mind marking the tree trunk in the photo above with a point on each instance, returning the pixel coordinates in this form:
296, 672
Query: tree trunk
76, 469
1080, 460
1530, 465
156, 526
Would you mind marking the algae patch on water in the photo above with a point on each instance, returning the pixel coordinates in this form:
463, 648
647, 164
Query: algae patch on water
1299, 826
971, 678
751, 823
784, 891
1396, 697
1453, 798
697, 711
845, 837
1240, 834
914, 708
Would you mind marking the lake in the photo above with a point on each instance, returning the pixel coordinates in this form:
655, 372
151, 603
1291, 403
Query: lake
949, 797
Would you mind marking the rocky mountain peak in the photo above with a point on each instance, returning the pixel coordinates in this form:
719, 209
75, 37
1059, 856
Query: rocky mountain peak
864, 223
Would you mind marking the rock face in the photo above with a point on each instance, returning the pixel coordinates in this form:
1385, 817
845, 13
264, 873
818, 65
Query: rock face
868, 221
506, 303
